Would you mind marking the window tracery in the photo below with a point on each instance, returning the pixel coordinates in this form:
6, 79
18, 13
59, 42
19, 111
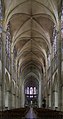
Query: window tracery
54, 40
8, 40
14, 57
62, 23
62, 31
35, 90
48, 60
1, 18
31, 90
8, 46
27, 92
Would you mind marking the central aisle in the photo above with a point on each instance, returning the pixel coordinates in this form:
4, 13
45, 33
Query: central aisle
31, 114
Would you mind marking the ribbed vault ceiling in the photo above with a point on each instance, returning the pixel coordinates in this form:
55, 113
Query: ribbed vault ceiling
31, 23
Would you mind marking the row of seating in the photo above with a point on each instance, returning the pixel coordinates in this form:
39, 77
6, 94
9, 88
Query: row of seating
41, 113
48, 113
18, 113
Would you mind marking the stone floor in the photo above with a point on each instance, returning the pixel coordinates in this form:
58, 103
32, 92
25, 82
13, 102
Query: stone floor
31, 114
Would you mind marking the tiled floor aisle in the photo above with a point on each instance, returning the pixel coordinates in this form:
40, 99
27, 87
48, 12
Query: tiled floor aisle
31, 114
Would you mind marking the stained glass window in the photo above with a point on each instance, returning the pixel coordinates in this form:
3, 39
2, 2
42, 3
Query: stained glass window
31, 96
62, 31
62, 24
34, 90
27, 90
1, 16
8, 40
49, 60
0, 48
0, 30
31, 90
8, 47
54, 40
14, 57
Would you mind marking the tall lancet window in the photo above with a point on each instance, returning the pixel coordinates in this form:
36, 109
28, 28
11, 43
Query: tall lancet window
62, 32
31, 90
0, 47
1, 18
8, 47
54, 40
48, 60
62, 24
8, 40
14, 56
35, 92
27, 92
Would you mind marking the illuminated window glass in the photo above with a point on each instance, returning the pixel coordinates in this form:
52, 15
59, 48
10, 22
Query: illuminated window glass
31, 90
0, 28
8, 39
31, 96
0, 48
0, 11
0, 31
34, 90
62, 32
55, 44
62, 15
48, 60
62, 10
14, 57
54, 40
62, 24
27, 90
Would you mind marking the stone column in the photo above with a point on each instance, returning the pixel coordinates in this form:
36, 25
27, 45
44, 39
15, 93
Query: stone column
3, 70
51, 93
7, 100
16, 90
17, 102
62, 99
19, 98
16, 96
59, 70
22, 96
39, 98
51, 78
40, 91
56, 99
0, 83
62, 60
11, 75
62, 86
0, 97
13, 100
49, 100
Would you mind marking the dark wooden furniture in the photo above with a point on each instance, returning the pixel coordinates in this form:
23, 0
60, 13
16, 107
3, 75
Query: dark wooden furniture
48, 113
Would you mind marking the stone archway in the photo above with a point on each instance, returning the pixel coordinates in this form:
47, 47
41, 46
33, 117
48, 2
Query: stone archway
31, 95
